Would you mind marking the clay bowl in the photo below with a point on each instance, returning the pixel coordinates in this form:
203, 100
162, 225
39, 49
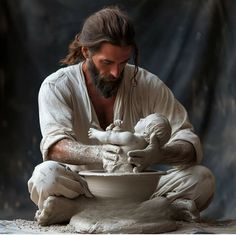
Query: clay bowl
135, 187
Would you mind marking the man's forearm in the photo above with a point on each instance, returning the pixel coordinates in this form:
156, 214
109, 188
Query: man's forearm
72, 152
178, 153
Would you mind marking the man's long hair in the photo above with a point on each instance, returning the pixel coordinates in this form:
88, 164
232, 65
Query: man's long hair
107, 25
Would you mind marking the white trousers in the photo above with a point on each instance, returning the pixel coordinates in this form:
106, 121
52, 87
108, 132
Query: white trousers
51, 178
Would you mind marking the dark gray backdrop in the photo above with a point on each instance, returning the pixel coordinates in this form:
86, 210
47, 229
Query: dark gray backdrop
189, 44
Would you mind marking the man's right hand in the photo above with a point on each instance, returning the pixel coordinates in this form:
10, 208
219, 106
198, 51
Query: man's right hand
110, 155
109, 152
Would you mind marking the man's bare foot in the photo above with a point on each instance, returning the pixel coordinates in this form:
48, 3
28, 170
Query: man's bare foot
153, 210
58, 209
186, 210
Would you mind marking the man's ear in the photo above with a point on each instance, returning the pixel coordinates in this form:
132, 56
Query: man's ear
85, 52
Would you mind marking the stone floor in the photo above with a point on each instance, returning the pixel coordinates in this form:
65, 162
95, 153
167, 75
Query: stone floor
20, 226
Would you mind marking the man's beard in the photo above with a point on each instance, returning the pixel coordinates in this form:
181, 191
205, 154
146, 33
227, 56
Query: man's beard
107, 85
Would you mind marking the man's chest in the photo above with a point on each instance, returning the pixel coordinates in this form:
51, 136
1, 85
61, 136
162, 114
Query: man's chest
104, 108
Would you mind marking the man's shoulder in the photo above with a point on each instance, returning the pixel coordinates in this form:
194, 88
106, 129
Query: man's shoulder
142, 75
63, 75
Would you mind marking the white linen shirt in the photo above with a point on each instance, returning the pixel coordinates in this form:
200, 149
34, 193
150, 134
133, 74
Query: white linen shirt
66, 111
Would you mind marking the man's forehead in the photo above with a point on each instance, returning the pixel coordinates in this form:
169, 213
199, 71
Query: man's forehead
114, 53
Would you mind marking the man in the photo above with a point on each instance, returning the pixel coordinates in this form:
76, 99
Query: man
97, 87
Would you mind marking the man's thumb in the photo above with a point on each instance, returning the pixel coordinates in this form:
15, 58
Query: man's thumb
154, 139
135, 153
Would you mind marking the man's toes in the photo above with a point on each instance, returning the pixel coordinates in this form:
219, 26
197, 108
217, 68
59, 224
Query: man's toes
43, 217
37, 214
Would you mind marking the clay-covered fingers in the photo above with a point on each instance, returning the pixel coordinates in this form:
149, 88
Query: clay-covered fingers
136, 153
138, 163
111, 157
138, 159
111, 152
111, 148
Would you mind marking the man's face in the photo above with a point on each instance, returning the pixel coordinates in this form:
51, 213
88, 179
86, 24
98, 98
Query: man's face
107, 85
106, 67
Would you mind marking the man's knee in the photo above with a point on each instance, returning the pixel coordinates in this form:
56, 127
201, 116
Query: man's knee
205, 187
43, 180
196, 183
45, 174
201, 173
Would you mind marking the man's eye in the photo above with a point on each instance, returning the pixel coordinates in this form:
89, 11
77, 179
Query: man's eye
106, 62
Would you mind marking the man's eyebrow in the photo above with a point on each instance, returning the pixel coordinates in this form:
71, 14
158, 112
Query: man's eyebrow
125, 61
111, 61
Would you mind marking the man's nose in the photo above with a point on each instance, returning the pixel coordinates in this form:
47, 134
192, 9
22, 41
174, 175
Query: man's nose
115, 71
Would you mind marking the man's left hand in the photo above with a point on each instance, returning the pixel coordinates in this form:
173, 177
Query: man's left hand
146, 157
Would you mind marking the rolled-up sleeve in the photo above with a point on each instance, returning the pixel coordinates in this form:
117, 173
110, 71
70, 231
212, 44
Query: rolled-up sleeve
55, 114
